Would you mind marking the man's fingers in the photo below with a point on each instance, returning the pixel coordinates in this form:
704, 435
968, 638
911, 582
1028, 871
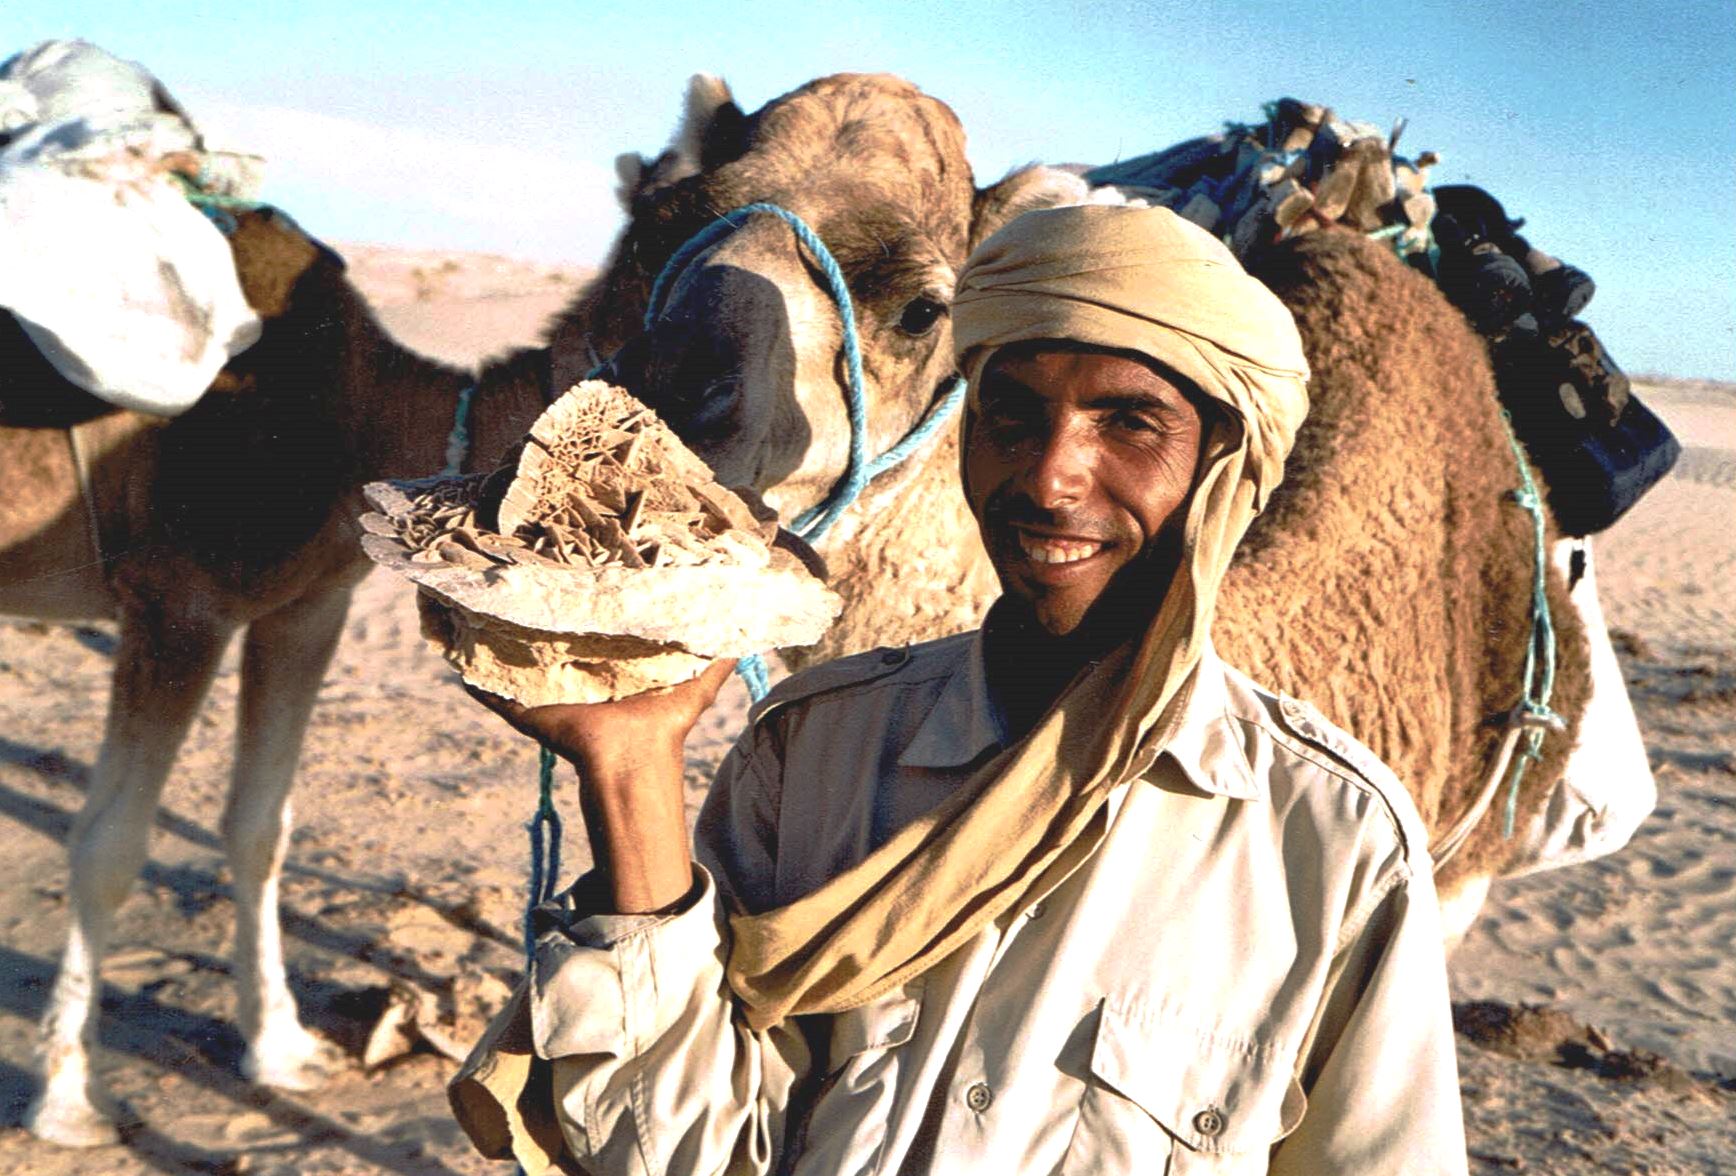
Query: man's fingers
716, 672
564, 726
509, 709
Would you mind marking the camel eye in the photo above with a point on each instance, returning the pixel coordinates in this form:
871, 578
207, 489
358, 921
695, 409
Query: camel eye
920, 315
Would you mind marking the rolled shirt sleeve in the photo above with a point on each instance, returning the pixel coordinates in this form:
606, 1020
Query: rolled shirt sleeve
651, 1070
625, 1033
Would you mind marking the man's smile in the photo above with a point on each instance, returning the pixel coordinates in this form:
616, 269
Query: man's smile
1058, 551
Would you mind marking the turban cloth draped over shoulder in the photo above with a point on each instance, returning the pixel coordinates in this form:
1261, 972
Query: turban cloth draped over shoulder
1131, 279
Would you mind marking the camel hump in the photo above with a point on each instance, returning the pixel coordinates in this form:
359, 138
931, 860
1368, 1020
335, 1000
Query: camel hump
1310, 734
924, 659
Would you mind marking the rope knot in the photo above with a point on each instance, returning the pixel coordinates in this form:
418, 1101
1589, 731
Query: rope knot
1525, 498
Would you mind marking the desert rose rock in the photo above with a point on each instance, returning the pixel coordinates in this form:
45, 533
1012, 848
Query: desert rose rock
600, 560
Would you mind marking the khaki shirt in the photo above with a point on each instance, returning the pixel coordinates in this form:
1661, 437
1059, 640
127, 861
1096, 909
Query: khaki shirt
1245, 976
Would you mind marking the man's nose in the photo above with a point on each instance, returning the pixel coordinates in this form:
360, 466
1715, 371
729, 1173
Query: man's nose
1060, 473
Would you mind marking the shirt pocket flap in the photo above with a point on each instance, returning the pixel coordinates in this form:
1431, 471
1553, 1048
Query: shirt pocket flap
879, 1024
1213, 1093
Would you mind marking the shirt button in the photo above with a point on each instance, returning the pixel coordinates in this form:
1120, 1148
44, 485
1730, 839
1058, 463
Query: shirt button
1036, 910
1209, 1123
978, 1097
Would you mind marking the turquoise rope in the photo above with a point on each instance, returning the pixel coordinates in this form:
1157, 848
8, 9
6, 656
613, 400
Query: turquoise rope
458, 440
218, 209
1540, 649
544, 828
813, 523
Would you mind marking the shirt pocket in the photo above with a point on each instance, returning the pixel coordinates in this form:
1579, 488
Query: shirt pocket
846, 1128
1161, 1087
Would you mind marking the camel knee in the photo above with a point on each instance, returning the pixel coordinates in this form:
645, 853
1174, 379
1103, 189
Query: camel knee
106, 853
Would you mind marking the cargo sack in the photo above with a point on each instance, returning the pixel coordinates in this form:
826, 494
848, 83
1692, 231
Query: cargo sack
124, 287
1598, 448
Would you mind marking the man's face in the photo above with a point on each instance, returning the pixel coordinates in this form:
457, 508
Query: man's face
1077, 466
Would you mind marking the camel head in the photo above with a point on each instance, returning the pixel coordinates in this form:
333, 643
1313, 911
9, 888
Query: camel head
745, 359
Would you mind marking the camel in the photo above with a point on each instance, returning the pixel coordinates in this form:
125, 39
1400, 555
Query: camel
1388, 583
743, 362
240, 514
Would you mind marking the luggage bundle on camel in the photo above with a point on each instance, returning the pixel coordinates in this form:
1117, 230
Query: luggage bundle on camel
1303, 168
124, 286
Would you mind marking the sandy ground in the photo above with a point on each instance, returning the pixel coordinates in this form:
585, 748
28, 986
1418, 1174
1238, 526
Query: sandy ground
1597, 1003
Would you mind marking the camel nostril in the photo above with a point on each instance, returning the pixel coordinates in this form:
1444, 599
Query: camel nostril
716, 335
699, 393
713, 409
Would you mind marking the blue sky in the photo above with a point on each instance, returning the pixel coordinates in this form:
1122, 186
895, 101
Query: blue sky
1610, 126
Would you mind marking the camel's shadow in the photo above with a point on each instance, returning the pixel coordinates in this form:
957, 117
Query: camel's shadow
195, 889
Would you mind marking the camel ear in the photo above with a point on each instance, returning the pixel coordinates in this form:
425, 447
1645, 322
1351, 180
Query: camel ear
1024, 190
713, 131
630, 169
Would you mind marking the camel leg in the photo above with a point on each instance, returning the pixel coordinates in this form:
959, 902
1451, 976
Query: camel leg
162, 671
285, 658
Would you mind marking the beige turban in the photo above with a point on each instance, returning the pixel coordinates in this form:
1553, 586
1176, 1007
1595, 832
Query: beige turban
1133, 279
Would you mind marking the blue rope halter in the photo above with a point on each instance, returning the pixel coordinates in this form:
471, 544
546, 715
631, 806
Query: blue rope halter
814, 522
544, 826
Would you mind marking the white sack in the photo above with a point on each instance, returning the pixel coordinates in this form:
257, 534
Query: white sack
127, 290
1606, 788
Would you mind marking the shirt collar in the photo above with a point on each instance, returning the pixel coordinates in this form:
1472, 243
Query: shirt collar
965, 722
1207, 746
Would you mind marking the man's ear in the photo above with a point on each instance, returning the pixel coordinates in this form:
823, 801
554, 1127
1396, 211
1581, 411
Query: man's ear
713, 132
1025, 190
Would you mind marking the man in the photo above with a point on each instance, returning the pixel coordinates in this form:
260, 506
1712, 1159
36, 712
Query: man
1063, 895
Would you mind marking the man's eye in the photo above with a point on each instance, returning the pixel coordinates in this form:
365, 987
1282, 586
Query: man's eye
1134, 422
1008, 418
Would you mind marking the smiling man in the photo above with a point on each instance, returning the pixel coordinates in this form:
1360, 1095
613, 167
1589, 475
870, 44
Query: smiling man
1076, 466
1063, 895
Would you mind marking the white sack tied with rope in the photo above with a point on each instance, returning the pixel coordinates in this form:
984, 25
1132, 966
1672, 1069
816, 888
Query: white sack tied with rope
126, 288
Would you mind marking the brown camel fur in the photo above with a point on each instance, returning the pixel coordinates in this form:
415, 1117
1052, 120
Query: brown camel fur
1395, 594
238, 515
1389, 583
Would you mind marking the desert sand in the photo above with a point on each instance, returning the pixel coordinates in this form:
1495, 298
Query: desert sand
1597, 1003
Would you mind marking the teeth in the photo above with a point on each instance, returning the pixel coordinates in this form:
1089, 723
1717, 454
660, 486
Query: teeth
1057, 551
